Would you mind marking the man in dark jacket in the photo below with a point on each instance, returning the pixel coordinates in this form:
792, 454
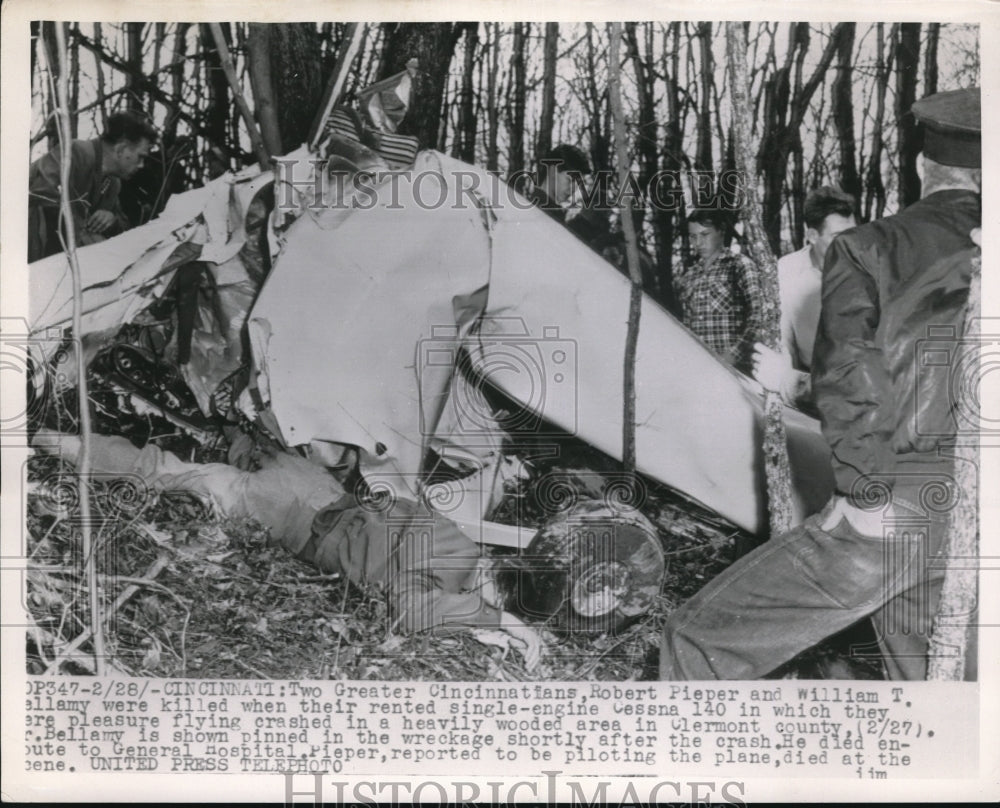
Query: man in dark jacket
559, 172
893, 307
97, 168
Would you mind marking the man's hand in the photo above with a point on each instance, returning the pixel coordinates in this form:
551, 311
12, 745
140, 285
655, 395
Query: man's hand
526, 638
868, 523
100, 221
773, 369
977, 236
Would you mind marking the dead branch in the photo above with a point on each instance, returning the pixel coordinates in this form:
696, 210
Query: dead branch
63, 126
234, 83
135, 583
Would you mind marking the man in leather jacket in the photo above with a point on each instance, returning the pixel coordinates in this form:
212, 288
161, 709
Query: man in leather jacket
889, 343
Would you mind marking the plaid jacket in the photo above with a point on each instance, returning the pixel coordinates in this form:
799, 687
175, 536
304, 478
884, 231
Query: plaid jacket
721, 305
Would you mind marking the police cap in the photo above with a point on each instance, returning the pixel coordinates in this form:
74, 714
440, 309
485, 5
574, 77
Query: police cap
952, 127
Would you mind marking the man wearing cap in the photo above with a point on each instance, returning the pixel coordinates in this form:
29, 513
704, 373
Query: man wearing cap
892, 312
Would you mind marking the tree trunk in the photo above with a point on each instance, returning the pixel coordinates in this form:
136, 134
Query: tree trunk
669, 191
433, 44
931, 58
595, 114
798, 194
778, 476
229, 69
296, 79
492, 105
646, 134
36, 33
631, 250
218, 102
785, 108
955, 622
703, 150
876, 187
843, 113
907, 65
159, 34
176, 83
243, 85
265, 109
133, 61
515, 112
466, 136
51, 49
367, 75
442, 131
74, 85
547, 119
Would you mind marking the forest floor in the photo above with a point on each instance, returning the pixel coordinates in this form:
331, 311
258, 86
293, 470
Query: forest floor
187, 595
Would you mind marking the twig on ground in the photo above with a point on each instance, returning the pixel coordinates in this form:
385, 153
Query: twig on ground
250, 668
155, 569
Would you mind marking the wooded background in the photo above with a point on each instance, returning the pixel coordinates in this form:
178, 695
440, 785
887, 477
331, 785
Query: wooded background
829, 102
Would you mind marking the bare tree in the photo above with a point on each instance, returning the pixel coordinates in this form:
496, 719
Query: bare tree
955, 622
703, 151
217, 109
785, 107
133, 61
776, 468
492, 107
176, 83
74, 84
159, 34
265, 106
547, 119
433, 44
668, 191
296, 78
646, 134
516, 99
843, 112
876, 186
931, 58
465, 140
907, 63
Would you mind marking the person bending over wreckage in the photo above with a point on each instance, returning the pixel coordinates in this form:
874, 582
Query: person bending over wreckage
424, 563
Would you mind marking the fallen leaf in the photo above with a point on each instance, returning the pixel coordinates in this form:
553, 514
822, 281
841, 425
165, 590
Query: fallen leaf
337, 625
